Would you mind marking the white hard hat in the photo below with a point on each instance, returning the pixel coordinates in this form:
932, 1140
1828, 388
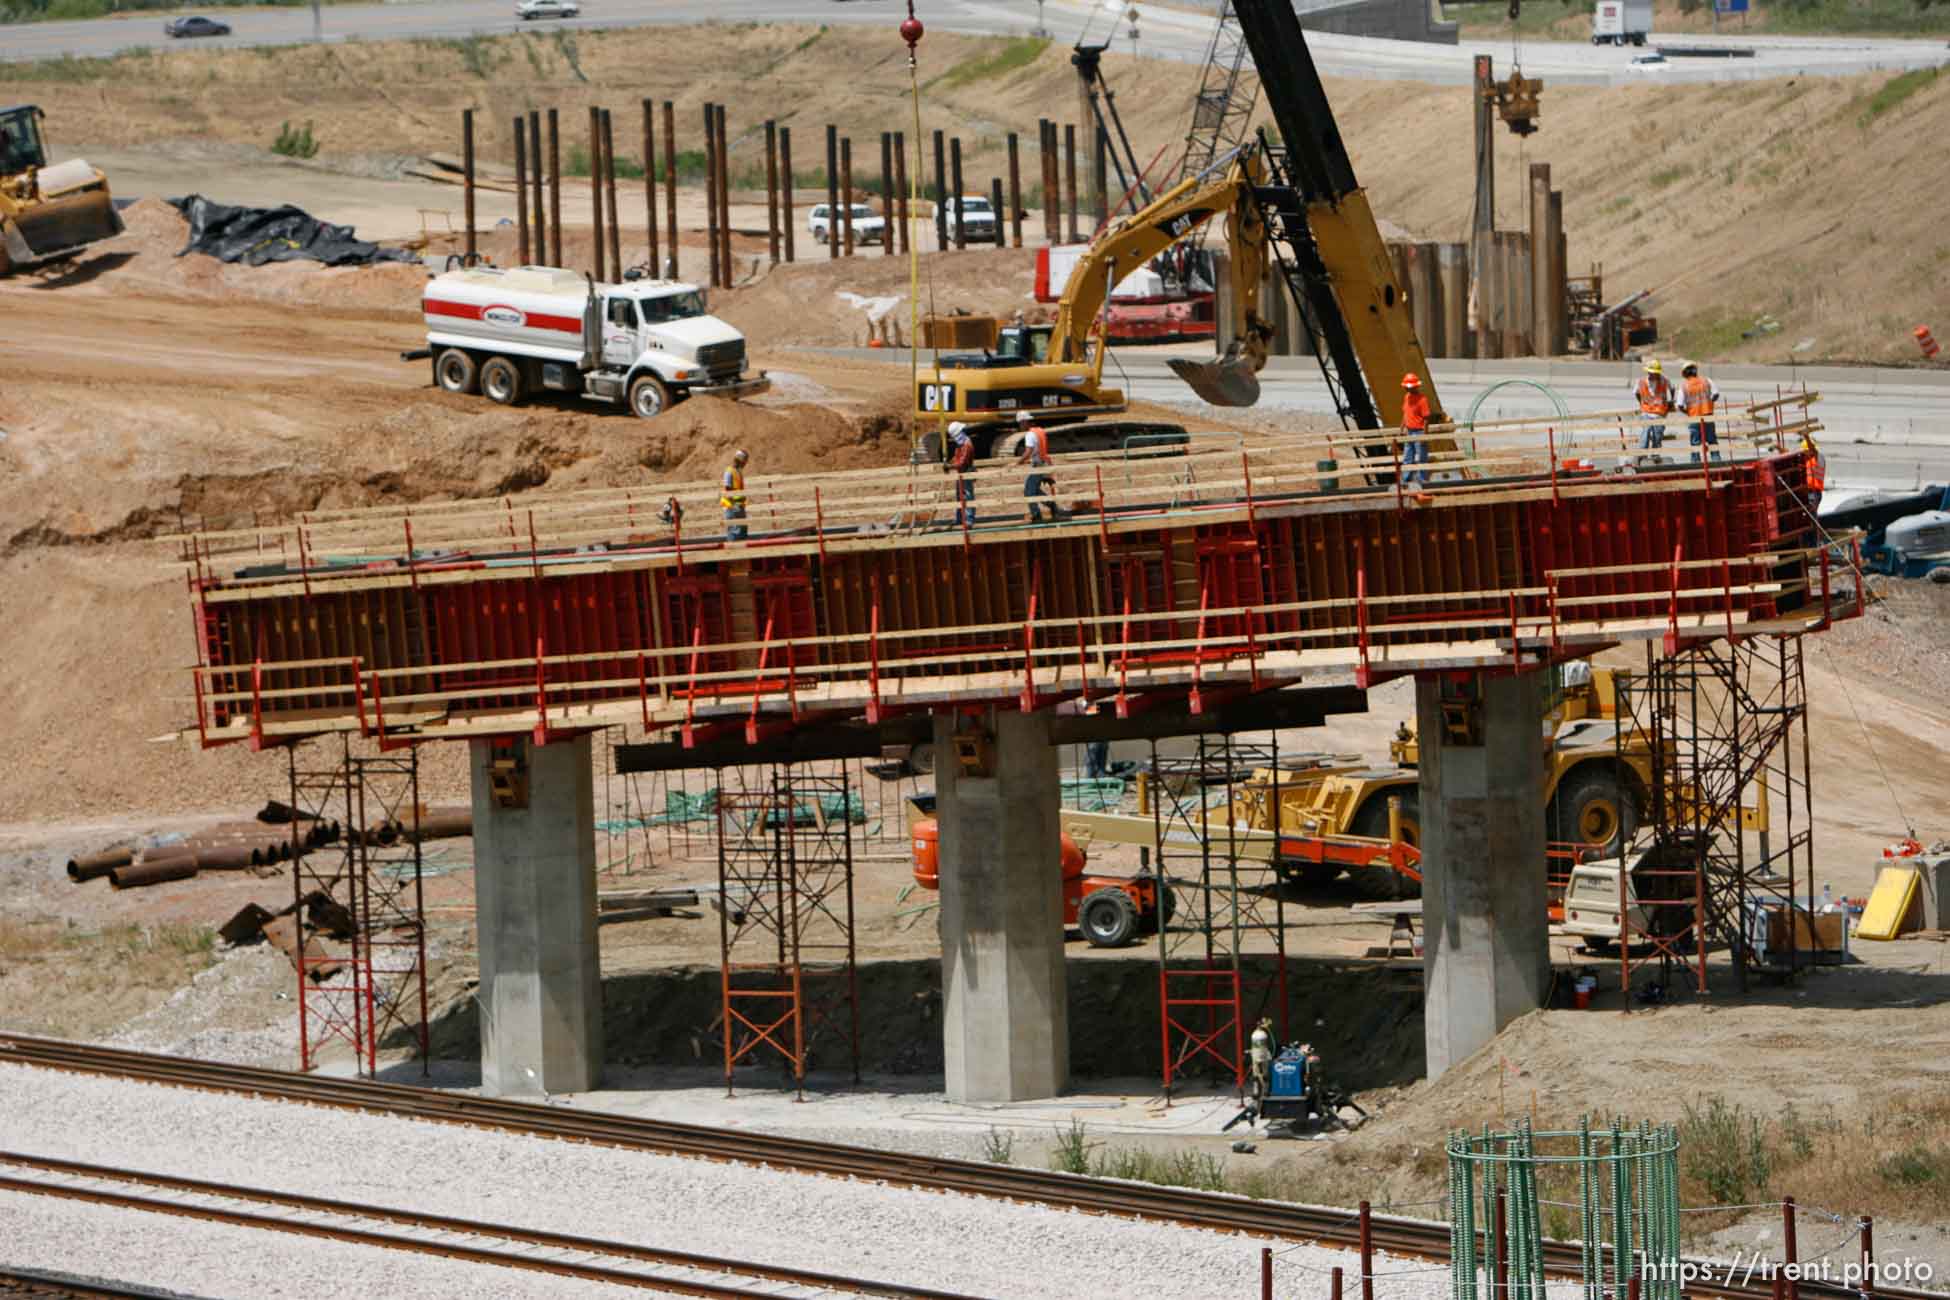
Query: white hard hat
1024, 417
958, 432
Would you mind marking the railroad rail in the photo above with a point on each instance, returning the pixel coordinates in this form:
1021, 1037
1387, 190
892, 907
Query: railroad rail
583, 1258
1210, 1210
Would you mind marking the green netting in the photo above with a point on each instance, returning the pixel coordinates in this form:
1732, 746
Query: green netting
1093, 793
680, 806
829, 807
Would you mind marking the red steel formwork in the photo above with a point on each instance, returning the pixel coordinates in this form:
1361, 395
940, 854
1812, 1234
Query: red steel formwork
1213, 587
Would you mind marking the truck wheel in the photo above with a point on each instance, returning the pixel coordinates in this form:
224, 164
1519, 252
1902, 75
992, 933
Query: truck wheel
456, 372
921, 758
1381, 883
1593, 810
501, 381
1108, 918
648, 397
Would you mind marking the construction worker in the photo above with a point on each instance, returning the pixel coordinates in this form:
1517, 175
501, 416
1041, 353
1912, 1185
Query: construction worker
1415, 428
1035, 454
960, 462
1700, 396
1654, 394
732, 497
1817, 470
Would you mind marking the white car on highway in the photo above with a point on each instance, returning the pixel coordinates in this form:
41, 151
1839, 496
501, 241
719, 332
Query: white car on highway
868, 227
529, 10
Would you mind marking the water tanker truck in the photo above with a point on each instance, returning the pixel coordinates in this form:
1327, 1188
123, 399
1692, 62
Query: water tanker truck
532, 329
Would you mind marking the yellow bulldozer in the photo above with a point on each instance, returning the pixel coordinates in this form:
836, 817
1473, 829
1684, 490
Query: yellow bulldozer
1336, 818
46, 213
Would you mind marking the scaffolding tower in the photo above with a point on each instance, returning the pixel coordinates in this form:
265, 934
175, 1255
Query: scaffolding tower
1228, 91
787, 957
1217, 889
1728, 841
364, 892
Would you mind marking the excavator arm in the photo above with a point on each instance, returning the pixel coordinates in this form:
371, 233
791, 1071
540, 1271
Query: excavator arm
1173, 216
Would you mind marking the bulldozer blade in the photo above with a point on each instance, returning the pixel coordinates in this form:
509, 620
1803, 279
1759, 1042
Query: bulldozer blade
58, 227
1229, 381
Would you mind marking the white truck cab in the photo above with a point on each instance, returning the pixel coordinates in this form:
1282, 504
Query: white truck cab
650, 343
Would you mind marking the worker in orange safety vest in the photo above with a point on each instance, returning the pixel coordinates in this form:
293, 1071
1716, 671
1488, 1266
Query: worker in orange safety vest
1817, 469
1415, 428
961, 463
1700, 396
1654, 395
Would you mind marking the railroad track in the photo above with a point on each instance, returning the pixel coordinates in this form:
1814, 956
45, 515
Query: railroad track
672, 1272
1214, 1211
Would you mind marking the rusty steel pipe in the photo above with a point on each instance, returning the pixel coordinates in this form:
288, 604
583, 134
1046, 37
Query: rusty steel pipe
91, 866
154, 872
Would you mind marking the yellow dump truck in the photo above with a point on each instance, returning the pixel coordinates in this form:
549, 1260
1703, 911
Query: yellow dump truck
46, 213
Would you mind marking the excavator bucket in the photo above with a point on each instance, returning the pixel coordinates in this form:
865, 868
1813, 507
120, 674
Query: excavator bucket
1229, 381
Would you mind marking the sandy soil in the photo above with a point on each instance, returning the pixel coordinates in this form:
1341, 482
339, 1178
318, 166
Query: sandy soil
1769, 223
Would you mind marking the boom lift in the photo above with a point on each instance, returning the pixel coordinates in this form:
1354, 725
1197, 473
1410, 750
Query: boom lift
1295, 205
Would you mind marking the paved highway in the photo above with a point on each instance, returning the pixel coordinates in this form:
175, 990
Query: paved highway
1887, 427
1165, 33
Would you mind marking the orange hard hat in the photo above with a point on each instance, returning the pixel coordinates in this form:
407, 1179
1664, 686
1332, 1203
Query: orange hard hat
1411, 380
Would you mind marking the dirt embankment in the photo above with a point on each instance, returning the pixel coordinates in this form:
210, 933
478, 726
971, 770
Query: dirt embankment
1792, 215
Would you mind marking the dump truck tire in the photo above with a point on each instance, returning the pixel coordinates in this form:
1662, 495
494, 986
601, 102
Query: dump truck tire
1593, 809
501, 381
1108, 918
1313, 875
1380, 883
456, 372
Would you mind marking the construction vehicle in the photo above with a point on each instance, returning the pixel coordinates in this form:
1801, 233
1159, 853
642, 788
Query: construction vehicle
46, 213
1108, 911
1621, 22
648, 343
1294, 207
1338, 818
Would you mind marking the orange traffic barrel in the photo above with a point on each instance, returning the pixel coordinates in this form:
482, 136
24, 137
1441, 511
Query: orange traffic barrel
1926, 341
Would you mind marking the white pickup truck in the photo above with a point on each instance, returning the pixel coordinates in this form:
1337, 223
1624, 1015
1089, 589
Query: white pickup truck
509, 333
976, 214
868, 226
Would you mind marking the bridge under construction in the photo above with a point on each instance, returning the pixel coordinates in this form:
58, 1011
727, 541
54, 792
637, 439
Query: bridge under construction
1251, 582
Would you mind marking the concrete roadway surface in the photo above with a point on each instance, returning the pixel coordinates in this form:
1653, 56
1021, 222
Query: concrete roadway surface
1885, 427
1178, 34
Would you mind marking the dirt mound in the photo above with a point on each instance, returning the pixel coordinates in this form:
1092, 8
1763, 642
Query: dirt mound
147, 253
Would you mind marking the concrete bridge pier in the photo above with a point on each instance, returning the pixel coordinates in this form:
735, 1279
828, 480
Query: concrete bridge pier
1486, 939
1006, 1023
540, 994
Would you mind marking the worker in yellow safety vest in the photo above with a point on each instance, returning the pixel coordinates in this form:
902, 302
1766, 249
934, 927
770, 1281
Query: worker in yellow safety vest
1700, 396
1654, 394
1817, 469
732, 498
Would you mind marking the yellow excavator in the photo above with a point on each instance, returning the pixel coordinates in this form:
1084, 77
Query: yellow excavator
1293, 207
46, 213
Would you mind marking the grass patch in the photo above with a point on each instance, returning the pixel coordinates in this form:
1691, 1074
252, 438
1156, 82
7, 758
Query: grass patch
1893, 92
295, 144
999, 1147
810, 41
1668, 175
565, 45
1710, 337
1014, 54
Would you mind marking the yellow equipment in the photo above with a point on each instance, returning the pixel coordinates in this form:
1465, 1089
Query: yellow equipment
1056, 370
1594, 791
46, 213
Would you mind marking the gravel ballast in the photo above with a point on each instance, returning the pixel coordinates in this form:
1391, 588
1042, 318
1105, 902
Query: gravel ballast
948, 1241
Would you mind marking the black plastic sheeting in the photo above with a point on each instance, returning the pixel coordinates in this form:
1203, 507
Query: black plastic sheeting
255, 236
